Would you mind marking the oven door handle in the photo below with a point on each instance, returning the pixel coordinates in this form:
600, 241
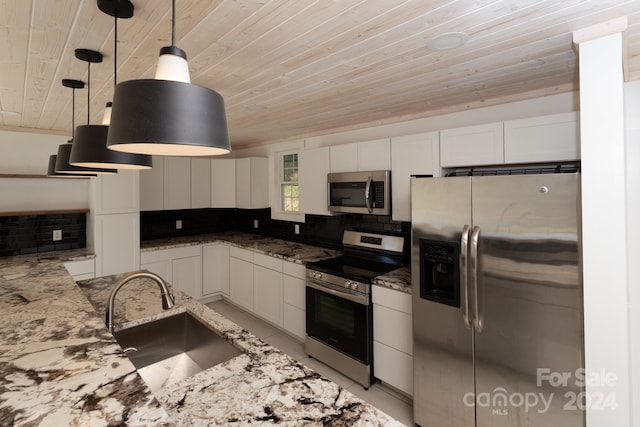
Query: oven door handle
360, 299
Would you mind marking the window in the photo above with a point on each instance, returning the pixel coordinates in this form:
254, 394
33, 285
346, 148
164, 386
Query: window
289, 195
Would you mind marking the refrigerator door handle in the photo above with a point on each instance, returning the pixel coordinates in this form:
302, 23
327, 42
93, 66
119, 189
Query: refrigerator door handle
464, 279
473, 255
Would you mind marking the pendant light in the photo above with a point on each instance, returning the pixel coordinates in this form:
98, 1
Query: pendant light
90, 147
64, 150
168, 115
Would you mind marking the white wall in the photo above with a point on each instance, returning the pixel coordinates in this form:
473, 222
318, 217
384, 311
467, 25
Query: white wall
28, 154
632, 111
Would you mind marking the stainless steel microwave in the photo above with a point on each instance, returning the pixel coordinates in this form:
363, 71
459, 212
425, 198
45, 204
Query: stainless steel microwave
360, 192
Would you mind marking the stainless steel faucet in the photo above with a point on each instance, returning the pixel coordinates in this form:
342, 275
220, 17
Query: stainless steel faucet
168, 300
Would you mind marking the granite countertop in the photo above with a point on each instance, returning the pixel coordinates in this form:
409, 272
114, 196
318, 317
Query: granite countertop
399, 279
60, 366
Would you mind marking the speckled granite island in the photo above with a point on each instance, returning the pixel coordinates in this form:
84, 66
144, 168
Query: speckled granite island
60, 366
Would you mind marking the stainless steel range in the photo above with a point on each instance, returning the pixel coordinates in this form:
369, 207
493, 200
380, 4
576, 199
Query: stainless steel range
338, 301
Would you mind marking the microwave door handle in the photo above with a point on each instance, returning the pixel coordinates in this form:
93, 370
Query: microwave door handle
464, 278
473, 252
367, 191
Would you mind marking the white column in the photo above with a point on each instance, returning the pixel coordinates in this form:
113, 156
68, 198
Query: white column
604, 224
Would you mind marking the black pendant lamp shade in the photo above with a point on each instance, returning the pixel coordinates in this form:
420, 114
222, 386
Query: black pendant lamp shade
170, 118
168, 115
62, 164
51, 170
90, 145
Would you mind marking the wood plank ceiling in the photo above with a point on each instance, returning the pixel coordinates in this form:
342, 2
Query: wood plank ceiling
290, 69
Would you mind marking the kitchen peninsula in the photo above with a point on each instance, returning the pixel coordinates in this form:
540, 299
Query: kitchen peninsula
61, 366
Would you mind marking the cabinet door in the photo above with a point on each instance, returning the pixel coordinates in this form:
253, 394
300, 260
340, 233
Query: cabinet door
374, 155
411, 155
344, 158
118, 193
393, 367
186, 275
542, 139
200, 183
152, 186
313, 167
117, 243
177, 183
241, 282
215, 269
223, 183
267, 292
252, 191
472, 145
162, 268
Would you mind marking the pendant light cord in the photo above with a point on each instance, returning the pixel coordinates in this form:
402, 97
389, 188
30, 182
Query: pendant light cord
173, 23
73, 114
88, 90
115, 51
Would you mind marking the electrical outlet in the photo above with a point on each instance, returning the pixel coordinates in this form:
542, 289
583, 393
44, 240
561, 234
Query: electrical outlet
255, 223
57, 235
296, 228
178, 224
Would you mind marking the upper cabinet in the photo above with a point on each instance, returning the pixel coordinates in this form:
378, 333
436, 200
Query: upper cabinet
252, 191
542, 139
361, 156
472, 145
200, 183
152, 186
314, 165
177, 183
118, 193
223, 183
411, 155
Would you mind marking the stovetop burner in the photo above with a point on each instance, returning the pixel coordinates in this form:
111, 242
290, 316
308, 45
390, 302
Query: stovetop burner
352, 268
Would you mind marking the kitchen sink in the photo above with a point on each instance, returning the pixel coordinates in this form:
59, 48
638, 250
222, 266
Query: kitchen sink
173, 348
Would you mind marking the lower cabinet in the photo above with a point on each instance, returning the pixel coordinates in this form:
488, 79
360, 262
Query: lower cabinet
267, 288
393, 338
215, 269
82, 269
181, 267
294, 309
241, 277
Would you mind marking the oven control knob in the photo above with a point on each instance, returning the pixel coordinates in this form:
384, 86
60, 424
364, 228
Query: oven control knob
347, 284
354, 286
317, 275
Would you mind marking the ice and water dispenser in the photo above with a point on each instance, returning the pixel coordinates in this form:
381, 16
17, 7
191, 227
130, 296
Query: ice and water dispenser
440, 272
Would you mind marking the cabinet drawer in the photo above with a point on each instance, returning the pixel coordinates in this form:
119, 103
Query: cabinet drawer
294, 269
267, 261
76, 268
294, 292
390, 298
240, 253
171, 253
393, 367
393, 328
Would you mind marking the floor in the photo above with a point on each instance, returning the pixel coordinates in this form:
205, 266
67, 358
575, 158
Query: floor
378, 395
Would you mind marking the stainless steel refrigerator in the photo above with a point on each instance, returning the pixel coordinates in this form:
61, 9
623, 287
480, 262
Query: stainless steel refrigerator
497, 301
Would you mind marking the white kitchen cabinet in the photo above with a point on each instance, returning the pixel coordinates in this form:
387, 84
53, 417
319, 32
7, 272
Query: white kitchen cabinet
252, 191
542, 139
181, 267
177, 183
152, 186
82, 269
294, 307
393, 338
186, 275
200, 183
411, 155
215, 269
223, 183
313, 166
472, 145
361, 156
116, 243
267, 288
117, 193
241, 277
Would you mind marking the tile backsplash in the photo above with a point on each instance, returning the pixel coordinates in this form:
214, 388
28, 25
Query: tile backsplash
30, 234
317, 230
